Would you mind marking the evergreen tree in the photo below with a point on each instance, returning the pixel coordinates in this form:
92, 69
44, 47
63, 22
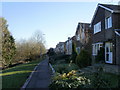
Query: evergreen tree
8, 44
74, 52
100, 56
83, 59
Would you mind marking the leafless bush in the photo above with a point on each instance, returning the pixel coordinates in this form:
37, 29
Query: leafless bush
30, 49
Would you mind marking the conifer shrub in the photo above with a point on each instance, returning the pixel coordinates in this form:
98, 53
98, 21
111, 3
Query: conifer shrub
101, 55
7, 42
83, 59
74, 53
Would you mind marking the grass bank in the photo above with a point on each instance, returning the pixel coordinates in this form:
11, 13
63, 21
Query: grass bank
15, 77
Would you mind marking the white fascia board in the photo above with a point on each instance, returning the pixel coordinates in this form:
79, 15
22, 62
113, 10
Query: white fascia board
117, 33
94, 14
106, 8
97, 10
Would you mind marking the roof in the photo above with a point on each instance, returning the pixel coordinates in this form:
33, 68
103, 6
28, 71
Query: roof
109, 7
112, 7
86, 25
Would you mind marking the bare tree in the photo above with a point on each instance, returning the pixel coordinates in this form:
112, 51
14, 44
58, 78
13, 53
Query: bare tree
38, 37
32, 48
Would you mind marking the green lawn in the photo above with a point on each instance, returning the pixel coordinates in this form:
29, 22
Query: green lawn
16, 76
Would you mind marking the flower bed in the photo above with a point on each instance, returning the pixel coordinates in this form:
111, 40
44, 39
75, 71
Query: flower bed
73, 79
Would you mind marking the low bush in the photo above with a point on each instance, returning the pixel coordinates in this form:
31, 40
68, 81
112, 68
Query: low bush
83, 59
60, 56
67, 58
65, 68
99, 80
59, 62
69, 80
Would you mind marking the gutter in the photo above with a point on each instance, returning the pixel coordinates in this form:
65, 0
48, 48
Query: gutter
117, 33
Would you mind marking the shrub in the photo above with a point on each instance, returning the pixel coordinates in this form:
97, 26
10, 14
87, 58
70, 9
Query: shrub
51, 52
83, 59
69, 80
74, 53
101, 55
99, 80
67, 58
62, 68
60, 56
7, 44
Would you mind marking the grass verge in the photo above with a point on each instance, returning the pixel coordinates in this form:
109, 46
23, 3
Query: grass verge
16, 76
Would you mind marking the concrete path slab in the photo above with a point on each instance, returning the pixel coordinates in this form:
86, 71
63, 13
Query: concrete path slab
41, 77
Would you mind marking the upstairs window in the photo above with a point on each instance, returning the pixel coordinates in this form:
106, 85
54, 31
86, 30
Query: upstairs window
97, 27
108, 22
78, 37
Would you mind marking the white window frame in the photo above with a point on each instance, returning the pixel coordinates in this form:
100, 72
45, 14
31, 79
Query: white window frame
97, 27
96, 47
110, 52
78, 37
108, 22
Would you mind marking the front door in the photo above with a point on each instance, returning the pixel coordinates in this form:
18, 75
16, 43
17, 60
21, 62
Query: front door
108, 52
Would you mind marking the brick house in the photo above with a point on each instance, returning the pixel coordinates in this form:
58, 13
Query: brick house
68, 45
60, 48
106, 33
83, 37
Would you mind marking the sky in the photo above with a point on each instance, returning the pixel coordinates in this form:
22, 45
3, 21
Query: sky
56, 20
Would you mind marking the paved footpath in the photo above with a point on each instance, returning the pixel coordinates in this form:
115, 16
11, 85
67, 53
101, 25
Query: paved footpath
41, 78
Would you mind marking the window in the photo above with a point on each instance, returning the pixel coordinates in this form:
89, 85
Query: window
78, 37
108, 22
96, 47
97, 27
